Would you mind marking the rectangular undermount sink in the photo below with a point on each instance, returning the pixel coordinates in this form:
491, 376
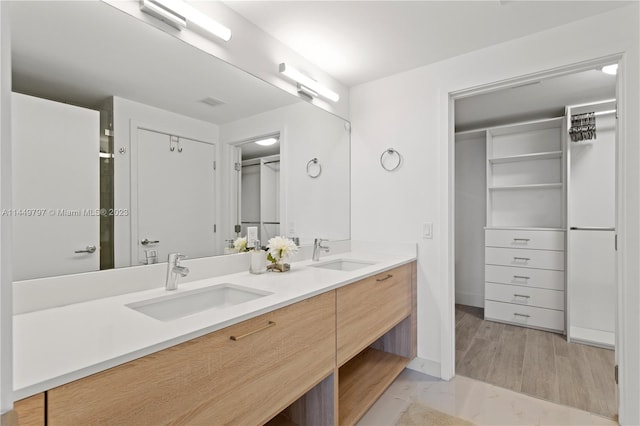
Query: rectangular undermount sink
343, 264
182, 304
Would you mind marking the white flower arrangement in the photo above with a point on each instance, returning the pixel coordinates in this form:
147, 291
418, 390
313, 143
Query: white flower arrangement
240, 244
280, 248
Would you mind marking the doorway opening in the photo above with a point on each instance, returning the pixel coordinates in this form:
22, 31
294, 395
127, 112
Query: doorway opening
256, 187
535, 231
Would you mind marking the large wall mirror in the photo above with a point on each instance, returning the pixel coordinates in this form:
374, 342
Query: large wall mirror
129, 144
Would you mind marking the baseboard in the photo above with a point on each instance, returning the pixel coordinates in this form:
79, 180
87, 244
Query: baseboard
426, 366
470, 299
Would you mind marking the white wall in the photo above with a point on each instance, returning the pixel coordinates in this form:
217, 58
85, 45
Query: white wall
410, 112
124, 113
470, 219
6, 323
250, 49
312, 207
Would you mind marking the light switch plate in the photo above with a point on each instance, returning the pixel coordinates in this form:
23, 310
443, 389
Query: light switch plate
427, 230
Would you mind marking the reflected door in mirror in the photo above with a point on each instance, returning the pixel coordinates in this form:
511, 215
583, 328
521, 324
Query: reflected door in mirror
176, 197
56, 202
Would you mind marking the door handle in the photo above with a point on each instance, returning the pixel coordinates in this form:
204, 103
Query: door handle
89, 249
146, 242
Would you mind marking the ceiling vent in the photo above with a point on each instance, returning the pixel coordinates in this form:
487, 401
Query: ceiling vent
212, 102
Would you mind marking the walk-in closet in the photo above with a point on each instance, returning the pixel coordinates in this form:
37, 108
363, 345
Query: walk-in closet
535, 239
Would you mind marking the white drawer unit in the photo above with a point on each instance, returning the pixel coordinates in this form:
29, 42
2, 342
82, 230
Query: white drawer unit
527, 277
528, 296
528, 316
525, 258
524, 238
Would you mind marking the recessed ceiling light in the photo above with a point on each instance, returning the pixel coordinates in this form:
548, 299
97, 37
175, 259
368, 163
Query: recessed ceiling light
610, 69
267, 142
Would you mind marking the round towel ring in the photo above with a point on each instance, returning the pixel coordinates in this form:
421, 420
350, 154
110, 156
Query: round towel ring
314, 169
390, 164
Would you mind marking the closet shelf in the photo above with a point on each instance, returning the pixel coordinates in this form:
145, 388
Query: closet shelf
526, 157
532, 186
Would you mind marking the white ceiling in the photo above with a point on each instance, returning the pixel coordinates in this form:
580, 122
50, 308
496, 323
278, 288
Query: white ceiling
83, 52
360, 41
545, 99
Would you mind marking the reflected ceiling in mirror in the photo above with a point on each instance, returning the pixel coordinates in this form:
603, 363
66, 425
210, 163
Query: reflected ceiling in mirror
83, 52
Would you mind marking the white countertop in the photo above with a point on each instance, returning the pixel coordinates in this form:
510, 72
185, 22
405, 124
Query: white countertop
59, 345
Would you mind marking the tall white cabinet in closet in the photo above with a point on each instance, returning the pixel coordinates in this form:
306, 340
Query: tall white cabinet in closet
591, 256
525, 236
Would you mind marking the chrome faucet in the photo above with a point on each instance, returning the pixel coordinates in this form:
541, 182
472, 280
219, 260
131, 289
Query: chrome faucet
317, 247
174, 270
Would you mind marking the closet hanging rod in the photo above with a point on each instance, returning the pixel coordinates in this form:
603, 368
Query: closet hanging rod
257, 223
611, 111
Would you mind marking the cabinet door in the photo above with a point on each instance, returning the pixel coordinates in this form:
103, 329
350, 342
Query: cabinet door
244, 374
369, 308
30, 410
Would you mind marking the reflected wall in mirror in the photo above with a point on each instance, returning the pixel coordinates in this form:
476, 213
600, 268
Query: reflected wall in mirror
127, 143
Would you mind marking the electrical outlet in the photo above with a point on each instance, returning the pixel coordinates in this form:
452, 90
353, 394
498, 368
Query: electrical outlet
427, 230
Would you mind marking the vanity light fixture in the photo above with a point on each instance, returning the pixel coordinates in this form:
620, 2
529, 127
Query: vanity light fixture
266, 142
307, 85
178, 14
610, 69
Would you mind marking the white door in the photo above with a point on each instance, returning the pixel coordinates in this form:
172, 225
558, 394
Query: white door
175, 196
250, 195
269, 198
55, 188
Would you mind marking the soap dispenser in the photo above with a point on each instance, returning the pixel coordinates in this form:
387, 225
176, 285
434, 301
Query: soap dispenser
258, 259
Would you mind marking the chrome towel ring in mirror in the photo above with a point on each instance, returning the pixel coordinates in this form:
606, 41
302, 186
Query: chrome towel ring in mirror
314, 169
390, 159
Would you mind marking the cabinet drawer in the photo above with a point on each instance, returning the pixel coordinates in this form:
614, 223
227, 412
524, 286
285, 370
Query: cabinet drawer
526, 277
539, 240
524, 258
524, 315
212, 379
369, 308
538, 297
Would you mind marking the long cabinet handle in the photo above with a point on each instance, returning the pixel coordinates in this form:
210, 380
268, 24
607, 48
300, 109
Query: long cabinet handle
520, 277
242, 336
526, 259
385, 278
526, 240
522, 295
522, 315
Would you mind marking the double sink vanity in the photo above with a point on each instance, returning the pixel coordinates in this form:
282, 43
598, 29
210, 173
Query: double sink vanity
313, 346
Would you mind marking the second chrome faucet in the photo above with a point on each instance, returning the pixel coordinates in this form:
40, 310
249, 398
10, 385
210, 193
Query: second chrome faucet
317, 248
174, 270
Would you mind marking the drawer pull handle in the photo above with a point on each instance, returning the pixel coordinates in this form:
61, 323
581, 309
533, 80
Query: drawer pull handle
526, 240
522, 295
520, 277
385, 278
525, 259
522, 315
242, 336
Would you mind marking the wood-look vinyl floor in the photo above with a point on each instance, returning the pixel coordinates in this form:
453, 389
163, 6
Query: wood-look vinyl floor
534, 362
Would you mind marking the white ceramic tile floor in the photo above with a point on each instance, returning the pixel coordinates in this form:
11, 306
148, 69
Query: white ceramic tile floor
478, 402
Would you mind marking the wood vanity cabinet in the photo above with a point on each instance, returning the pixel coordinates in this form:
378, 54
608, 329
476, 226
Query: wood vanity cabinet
369, 308
321, 361
244, 374
30, 410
